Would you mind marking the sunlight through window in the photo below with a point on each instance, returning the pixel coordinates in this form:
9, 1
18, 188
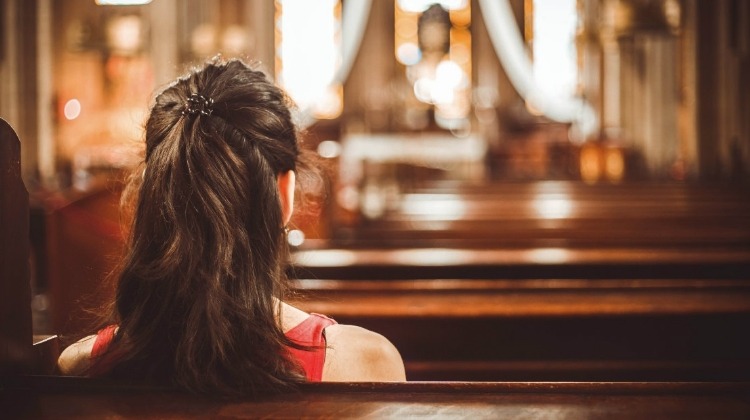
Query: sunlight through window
308, 54
554, 49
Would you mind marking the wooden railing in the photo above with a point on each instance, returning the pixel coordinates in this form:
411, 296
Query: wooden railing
54, 398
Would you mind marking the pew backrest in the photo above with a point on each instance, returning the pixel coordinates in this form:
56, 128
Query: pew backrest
15, 286
48, 397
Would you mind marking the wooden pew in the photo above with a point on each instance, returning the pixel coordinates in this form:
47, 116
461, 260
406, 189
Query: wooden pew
514, 263
16, 353
544, 330
632, 282
562, 214
20, 351
483, 282
53, 398
548, 229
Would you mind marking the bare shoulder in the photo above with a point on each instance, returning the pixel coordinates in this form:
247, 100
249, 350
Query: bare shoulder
355, 354
75, 359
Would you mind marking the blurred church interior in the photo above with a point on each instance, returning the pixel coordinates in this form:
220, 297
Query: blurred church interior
569, 177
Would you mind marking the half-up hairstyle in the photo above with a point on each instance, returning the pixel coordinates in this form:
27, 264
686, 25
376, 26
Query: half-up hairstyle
195, 300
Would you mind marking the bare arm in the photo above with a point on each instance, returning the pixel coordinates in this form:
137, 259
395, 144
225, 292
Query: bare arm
75, 359
355, 354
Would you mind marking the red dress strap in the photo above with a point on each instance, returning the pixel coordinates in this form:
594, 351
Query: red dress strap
310, 333
99, 364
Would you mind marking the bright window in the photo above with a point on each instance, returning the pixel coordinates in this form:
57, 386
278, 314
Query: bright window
308, 54
553, 45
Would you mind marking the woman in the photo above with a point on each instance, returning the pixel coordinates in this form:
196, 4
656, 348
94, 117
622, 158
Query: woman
199, 300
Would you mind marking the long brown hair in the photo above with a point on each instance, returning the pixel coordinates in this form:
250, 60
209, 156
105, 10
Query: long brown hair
195, 299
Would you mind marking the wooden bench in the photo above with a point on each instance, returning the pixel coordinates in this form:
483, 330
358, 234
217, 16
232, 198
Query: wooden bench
563, 214
567, 329
547, 281
53, 398
515, 263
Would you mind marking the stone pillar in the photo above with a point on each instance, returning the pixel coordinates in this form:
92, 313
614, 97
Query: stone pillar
646, 33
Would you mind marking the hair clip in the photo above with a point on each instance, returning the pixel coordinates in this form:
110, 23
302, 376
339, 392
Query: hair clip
198, 104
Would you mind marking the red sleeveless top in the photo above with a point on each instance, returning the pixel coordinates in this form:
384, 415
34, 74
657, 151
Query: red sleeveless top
308, 332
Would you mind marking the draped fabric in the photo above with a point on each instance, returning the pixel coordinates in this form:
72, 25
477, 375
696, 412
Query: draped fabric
509, 47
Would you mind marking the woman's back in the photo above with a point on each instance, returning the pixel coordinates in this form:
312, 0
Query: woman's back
347, 353
197, 298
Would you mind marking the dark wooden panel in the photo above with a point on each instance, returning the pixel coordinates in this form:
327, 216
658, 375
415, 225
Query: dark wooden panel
46, 351
15, 288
